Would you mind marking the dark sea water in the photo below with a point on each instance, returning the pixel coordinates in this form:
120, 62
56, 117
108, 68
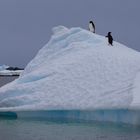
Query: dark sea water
28, 129
43, 130
6, 79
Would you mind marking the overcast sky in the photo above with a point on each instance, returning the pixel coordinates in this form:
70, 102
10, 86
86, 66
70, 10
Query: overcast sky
25, 25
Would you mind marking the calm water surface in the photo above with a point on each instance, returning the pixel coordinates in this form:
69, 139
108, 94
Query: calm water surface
6, 79
44, 130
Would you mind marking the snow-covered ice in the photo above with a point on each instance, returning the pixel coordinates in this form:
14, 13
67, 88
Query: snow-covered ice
77, 70
3, 67
10, 72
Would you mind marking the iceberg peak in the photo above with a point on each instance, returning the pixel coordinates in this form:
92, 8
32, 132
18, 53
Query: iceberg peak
60, 30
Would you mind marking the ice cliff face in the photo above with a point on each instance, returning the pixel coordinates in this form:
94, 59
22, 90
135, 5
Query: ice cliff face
76, 70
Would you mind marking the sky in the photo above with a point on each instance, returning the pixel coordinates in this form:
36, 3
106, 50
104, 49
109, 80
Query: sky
25, 25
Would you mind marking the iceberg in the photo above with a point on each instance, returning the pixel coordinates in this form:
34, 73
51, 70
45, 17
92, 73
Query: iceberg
10, 71
3, 67
76, 75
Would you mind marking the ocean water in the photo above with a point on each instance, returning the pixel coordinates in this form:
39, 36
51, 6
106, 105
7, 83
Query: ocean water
6, 79
31, 129
47, 130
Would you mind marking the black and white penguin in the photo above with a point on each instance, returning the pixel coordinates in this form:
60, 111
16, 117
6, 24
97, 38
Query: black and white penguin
110, 38
92, 27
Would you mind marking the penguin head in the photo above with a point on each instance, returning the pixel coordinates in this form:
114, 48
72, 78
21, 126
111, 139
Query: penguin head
91, 21
109, 33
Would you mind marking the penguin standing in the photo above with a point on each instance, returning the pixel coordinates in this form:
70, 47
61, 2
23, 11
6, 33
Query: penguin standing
92, 27
110, 38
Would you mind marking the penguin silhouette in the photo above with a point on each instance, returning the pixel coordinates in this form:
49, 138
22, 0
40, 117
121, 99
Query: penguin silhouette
92, 27
110, 38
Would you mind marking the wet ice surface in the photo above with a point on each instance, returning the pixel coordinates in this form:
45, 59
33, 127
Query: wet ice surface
44, 130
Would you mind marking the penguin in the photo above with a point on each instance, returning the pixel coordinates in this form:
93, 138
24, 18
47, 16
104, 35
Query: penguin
110, 38
92, 27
